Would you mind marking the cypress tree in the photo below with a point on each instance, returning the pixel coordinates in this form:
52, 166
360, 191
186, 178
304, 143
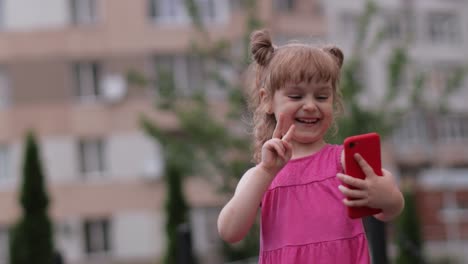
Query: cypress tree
199, 144
31, 237
176, 210
409, 238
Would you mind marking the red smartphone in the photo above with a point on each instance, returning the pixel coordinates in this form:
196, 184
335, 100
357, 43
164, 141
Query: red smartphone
368, 146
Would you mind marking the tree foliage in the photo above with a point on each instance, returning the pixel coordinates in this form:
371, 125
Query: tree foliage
409, 239
385, 117
31, 238
357, 118
380, 118
205, 141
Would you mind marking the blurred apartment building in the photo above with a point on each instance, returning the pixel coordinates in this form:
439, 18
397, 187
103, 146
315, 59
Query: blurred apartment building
63, 66
62, 73
430, 146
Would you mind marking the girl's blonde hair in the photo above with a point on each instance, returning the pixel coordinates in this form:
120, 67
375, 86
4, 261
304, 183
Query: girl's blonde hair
273, 67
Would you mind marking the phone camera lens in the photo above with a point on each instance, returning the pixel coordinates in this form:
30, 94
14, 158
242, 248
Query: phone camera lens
351, 145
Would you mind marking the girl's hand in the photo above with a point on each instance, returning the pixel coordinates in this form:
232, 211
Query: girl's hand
277, 151
374, 191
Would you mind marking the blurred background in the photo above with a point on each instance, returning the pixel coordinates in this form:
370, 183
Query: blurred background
138, 114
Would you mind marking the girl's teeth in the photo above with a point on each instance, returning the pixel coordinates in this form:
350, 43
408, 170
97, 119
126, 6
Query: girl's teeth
307, 121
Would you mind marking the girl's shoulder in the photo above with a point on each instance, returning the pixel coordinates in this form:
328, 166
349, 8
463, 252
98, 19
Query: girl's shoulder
332, 155
335, 149
324, 164
328, 153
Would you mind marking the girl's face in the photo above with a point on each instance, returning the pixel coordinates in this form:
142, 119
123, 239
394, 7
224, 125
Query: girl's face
309, 106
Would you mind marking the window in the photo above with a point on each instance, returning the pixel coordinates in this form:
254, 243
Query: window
91, 156
462, 199
87, 79
166, 72
195, 73
237, 5
165, 67
413, 130
453, 214
443, 27
169, 11
184, 73
4, 163
318, 8
284, 5
393, 27
83, 12
452, 129
207, 10
175, 11
4, 85
97, 238
445, 78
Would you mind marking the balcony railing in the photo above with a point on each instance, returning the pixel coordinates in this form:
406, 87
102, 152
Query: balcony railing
426, 137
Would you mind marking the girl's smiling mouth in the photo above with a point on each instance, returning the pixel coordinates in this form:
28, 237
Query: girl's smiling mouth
308, 121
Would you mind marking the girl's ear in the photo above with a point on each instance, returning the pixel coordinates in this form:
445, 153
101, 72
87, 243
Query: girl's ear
265, 101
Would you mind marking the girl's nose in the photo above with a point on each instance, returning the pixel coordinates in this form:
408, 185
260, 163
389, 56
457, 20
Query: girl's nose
309, 105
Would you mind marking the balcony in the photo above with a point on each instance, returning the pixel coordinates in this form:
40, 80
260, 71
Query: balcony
429, 138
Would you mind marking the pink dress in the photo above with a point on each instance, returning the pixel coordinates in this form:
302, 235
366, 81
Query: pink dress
304, 219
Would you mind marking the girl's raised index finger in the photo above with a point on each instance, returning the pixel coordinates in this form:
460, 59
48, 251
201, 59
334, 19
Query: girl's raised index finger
278, 132
289, 134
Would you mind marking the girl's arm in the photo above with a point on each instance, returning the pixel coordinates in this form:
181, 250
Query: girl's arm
238, 216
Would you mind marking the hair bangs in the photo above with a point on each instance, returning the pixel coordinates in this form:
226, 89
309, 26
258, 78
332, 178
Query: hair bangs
300, 63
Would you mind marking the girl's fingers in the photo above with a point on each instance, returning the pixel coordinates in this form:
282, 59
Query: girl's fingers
355, 203
287, 146
386, 172
289, 134
280, 149
355, 182
277, 147
350, 193
278, 132
366, 168
281, 143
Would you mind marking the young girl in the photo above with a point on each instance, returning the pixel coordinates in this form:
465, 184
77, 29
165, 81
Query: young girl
298, 178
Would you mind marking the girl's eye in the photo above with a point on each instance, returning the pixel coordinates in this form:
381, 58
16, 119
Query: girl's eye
295, 97
322, 98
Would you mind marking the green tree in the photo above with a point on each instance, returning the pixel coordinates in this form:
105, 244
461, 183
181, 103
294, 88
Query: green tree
205, 141
358, 119
385, 117
31, 238
409, 240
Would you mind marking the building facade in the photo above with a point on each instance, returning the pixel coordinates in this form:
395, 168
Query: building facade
429, 147
63, 68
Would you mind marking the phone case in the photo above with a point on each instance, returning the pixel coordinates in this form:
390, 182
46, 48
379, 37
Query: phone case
368, 145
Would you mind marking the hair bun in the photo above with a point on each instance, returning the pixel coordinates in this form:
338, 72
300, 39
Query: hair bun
261, 46
336, 53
